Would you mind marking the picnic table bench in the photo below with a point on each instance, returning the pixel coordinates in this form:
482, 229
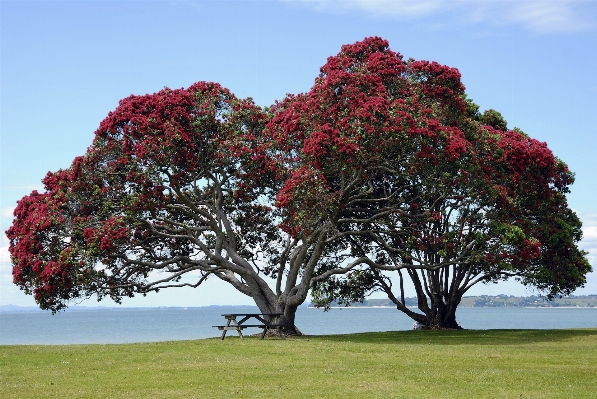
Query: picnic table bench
233, 324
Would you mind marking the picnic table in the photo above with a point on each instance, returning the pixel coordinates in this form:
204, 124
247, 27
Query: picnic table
236, 321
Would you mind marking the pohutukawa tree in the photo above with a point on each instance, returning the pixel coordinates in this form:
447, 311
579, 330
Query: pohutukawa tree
425, 185
383, 166
177, 187
515, 225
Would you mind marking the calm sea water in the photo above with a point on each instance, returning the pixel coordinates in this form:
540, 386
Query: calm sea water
147, 325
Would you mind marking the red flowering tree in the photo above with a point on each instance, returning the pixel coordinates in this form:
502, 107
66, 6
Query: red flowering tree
383, 166
177, 187
516, 225
415, 180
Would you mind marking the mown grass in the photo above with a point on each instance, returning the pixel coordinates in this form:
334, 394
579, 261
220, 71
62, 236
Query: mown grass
408, 364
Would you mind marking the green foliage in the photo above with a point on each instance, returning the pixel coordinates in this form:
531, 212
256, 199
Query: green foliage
494, 119
354, 288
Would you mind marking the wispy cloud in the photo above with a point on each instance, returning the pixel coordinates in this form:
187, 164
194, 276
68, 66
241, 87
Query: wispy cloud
540, 16
589, 231
6, 211
589, 244
404, 8
5, 266
551, 16
4, 256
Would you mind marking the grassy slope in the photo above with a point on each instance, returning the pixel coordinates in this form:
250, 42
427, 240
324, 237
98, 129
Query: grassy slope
407, 364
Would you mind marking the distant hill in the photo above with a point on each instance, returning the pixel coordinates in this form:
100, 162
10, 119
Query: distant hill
497, 301
583, 301
15, 308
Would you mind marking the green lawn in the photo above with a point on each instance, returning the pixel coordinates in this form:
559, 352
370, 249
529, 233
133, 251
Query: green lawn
407, 364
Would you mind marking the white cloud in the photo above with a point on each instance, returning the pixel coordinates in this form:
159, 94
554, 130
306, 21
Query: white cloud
4, 256
9, 293
549, 16
378, 8
589, 244
590, 232
540, 16
404, 8
5, 264
589, 228
6, 211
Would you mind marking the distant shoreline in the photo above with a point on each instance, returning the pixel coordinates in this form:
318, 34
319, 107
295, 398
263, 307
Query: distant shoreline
479, 301
489, 301
484, 307
143, 309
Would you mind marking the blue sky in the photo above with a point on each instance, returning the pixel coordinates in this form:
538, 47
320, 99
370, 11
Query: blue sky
65, 65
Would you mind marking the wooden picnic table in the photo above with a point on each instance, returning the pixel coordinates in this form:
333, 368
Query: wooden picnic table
232, 323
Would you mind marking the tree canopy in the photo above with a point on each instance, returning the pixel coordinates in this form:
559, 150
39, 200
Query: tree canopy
383, 166
461, 199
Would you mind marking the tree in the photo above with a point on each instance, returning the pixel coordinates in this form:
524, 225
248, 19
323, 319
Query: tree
383, 166
523, 230
438, 191
177, 187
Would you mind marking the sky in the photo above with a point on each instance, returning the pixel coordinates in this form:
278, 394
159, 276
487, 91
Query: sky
65, 65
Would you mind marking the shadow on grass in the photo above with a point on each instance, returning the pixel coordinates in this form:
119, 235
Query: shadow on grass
460, 337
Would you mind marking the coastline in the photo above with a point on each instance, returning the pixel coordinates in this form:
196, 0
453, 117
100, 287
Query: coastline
468, 307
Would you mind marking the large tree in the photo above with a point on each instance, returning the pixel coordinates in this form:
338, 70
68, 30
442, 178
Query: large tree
382, 166
439, 192
177, 187
516, 225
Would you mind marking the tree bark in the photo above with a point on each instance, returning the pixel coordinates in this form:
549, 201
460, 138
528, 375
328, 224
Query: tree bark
442, 316
437, 305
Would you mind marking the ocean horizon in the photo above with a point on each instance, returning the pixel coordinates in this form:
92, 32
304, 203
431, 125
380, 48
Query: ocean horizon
81, 325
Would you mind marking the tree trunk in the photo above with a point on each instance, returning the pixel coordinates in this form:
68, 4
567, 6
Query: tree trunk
437, 305
288, 319
436, 316
288, 314
301, 264
441, 316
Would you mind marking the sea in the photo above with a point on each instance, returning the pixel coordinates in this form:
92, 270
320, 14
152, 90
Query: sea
128, 325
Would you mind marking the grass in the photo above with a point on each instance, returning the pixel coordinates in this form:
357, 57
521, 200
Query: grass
406, 364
